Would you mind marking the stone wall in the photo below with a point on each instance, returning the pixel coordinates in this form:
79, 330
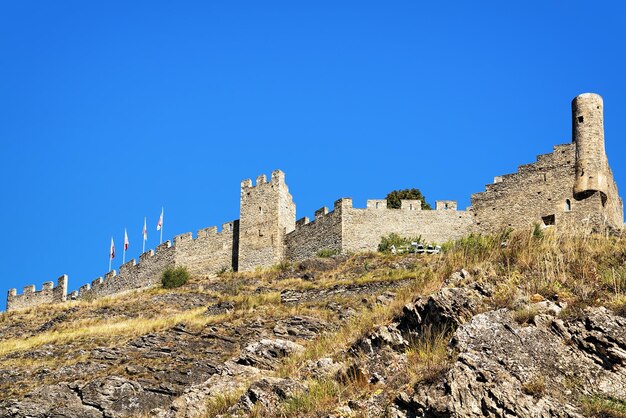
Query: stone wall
323, 233
132, 275
364, 228
347, 229
543, 193
31, 297
209, 253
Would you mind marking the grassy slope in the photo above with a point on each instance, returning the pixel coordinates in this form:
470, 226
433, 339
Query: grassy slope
582, 271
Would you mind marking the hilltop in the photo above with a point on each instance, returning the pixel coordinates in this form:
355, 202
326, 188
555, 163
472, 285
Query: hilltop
526, 323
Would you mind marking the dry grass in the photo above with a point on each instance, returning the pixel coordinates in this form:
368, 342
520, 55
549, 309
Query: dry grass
587, 269
525, 316
535, 387
220, 403
604, 407
319, 397
105, 330
427, 357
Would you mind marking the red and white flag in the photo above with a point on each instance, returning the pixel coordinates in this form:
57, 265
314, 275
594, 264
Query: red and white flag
125, 240
160, 223
145, 230
112, 250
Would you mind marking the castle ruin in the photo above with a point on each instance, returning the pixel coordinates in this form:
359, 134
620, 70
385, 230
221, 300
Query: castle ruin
569, 188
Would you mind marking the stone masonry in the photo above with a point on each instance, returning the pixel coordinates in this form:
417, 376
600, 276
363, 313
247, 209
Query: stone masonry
571, 188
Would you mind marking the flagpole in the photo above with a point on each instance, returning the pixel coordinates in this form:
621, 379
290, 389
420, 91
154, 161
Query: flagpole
143, 236
162, 222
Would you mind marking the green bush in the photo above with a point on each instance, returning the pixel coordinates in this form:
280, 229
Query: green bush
397, 241
327, 252
394, 197
173, 277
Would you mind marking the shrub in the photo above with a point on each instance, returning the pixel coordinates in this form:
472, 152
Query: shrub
397, 241
394, 197
619, 306
535, 387
173, 277
525, 315
604, 407
428, 356
326, 253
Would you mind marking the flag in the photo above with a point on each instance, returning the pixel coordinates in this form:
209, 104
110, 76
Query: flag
160, 223
125, 240
145, 229
112, 250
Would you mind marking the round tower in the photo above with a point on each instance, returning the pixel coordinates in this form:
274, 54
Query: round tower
588, 134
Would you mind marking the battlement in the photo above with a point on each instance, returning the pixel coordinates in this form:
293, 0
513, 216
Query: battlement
32, 297
277, 178
445, 205
410, 204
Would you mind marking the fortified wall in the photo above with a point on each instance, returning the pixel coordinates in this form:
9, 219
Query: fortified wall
571, 188
348, 230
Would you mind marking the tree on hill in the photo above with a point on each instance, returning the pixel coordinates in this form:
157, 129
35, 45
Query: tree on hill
394, 197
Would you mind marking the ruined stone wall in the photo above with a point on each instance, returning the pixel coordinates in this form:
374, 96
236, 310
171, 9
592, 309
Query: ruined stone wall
534, 194
572, 187
323, 233
31, 297
267, 214
364, 228
210, 252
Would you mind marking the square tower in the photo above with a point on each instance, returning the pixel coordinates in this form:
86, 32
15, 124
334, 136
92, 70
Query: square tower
267, 214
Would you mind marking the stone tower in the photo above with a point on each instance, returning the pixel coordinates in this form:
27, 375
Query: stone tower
592, 166
267, 214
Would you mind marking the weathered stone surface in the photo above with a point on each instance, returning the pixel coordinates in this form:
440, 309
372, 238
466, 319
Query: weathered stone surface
268, 392
51, 401
445, 310
266, 353
305, 327
231, 378
499, 360
119, 397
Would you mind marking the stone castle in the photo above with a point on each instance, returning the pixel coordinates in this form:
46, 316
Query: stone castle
570, 188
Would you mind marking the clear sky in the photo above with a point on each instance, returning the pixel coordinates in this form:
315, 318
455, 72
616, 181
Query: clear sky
110, 110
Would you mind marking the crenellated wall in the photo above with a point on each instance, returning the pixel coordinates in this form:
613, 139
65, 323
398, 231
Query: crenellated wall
132, 275
31, 297
210, 252
347, 229
571, 187
364, 228
323, 233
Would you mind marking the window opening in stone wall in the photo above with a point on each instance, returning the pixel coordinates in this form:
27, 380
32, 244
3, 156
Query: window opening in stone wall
260, 233
545, 178
580, 119
260, 209
548, 220
446, 207
230, 227
410, 206
568, 205
376, 205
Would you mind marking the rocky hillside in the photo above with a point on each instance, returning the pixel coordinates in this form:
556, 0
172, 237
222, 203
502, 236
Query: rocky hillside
519, 325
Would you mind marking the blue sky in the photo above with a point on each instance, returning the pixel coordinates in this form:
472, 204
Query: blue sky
109, 110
